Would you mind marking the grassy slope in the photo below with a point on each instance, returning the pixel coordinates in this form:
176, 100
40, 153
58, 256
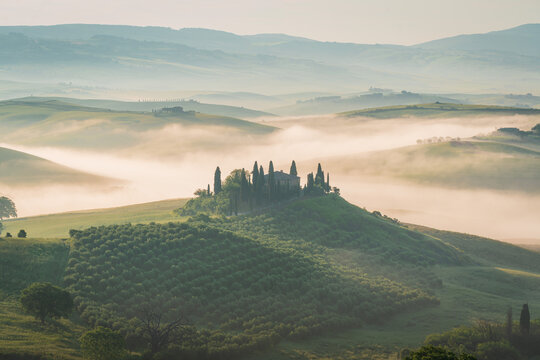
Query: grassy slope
58, 225
22, 262
495, 275
504, 275
441, 110
21, 169
51, 122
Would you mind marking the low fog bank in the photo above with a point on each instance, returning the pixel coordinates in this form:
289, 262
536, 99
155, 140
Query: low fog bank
162, 166
494, 214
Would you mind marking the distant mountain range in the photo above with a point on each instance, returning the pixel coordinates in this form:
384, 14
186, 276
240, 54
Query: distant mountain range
156, 58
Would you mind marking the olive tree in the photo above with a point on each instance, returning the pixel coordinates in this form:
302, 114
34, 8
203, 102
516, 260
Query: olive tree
44, 300
103, 344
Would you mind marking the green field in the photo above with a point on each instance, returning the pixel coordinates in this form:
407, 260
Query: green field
22, 262
438, 110
58, 225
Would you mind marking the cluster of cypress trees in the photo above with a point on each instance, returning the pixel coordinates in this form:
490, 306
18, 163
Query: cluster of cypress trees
250, 189
246, 190
316, 184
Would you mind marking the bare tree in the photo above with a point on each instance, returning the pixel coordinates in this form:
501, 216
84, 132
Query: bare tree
159, 333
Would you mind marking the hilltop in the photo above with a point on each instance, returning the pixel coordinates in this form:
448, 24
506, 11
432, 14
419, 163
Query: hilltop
42, 121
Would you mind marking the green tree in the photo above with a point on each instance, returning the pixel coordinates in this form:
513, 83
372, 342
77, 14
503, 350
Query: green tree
1, 227
103, 344
244, 186
21, 234
293, 169
271, 182
525, 320
232, 188
7, 208
319, 176
430, 352
310, 183
260, 183
255, 175
217, 181
44, 300
327, 185
200, 193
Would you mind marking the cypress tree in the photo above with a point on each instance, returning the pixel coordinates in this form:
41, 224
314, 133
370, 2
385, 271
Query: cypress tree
293, 169
244, 186
319, 177
255, 175
327, 185
310, 183
217, 181
271, 182
260, 185
208, 190
525, 320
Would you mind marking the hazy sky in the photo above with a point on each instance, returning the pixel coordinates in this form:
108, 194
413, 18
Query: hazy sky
361, 21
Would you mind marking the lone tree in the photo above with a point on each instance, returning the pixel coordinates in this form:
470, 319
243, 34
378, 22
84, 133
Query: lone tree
43, 300
21, 234
525, 320
7, 208
217, 181
103, 344
157, 332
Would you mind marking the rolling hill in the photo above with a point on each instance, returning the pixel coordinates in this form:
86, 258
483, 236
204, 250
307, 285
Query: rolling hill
18, 169
149, 105
42, 121
459, 164
336, 273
